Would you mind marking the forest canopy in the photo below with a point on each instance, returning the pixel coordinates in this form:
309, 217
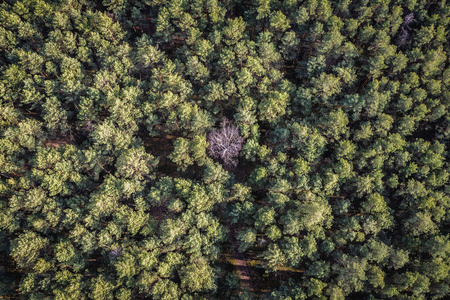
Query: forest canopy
234, 149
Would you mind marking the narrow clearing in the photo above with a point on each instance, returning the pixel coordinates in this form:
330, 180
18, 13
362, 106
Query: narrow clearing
241, 265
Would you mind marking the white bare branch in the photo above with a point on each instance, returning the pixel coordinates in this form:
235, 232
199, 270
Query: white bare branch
225, 143
403, 37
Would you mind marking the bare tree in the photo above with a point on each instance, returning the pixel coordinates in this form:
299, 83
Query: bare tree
114, 254
403, 37
409, 19
225, 143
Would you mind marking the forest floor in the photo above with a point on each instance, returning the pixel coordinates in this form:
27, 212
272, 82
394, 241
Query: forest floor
240, 263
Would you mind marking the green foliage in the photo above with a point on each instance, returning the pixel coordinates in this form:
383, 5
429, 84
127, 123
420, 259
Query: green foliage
27, 248
110, 188
181, 155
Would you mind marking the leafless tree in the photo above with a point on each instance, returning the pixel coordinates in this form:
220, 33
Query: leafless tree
114, 254
409, 19
225, 143
403, 37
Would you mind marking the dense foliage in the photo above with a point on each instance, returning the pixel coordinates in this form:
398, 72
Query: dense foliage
138, 139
